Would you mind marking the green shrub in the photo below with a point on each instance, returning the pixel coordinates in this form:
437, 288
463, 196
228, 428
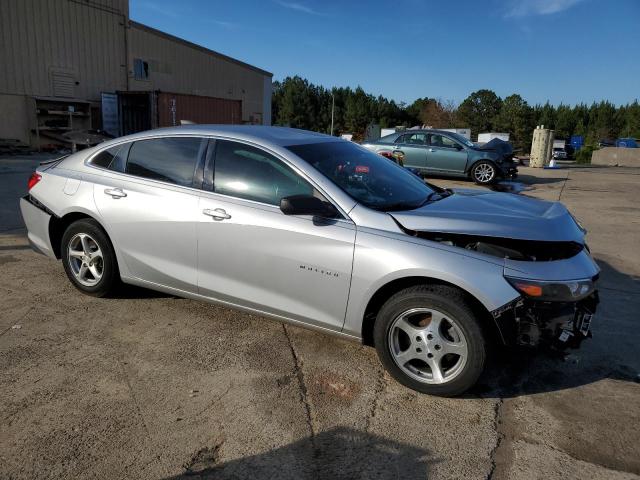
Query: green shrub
584, 154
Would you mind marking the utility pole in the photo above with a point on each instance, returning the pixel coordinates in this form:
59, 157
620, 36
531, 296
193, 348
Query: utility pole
333, 105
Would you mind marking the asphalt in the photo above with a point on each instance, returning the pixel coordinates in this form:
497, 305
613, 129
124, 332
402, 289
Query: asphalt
156, 387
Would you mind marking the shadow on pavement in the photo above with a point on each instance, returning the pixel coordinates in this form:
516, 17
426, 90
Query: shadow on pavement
133, 292
340, 453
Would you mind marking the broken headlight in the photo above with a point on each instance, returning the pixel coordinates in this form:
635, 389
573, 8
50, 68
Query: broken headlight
567, 291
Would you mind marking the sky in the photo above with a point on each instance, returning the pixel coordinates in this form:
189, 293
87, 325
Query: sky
561, 51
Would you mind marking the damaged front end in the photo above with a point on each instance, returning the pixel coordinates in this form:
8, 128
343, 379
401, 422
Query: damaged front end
507, 248
555, 312
531, 323
543, 253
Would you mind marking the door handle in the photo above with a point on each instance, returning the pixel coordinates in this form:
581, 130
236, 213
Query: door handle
431, 150
217, 214
115, 192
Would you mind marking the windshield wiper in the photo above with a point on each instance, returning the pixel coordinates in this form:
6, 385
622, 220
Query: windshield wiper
435, 196
443, 193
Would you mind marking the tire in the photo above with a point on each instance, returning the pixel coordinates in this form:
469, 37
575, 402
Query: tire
89, 259
458, 346
484, 172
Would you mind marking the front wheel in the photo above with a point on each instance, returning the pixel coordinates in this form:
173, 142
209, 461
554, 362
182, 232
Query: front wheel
429, 340
484, 173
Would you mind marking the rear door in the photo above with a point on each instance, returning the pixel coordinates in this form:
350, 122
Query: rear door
252, 255
445, 155
413, 147
150, 208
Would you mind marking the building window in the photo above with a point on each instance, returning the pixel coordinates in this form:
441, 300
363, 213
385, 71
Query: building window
140, 69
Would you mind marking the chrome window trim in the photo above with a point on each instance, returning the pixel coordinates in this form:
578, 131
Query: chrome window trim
87, 163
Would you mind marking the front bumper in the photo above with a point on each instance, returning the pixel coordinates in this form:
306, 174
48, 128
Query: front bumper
509, 170
525, 322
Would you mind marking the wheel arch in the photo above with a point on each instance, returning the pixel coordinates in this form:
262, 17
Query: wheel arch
58, 225
390, 288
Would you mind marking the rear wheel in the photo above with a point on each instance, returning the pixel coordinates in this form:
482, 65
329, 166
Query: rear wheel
484, 173
88, 258
428, 338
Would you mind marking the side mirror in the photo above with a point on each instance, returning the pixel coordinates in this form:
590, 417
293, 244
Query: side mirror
307, 205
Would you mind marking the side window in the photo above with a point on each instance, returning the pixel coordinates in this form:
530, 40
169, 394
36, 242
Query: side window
140, 69
170, 160
416, 139
246, 172
442, 141
112, 158
402, 139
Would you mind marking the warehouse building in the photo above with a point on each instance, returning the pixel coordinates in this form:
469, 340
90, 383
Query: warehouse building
80, 65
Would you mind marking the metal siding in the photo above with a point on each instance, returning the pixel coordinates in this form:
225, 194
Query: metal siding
193, 71
84, 38
197, 109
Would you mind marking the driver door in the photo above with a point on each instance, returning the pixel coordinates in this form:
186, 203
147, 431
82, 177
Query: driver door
252, 255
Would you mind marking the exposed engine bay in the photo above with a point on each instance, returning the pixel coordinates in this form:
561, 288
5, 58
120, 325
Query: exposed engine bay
513, 249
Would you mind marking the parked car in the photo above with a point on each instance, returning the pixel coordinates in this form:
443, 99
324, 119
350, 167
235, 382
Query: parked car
323, 233
559, 154
626, 143
438, 152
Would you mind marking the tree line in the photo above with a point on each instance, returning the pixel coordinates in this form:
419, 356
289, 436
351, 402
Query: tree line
298, 103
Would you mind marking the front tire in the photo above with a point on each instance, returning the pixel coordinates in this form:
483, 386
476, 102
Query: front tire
428, 339
484, 173
88, 258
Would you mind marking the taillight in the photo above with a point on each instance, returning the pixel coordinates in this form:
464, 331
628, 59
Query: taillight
33, 180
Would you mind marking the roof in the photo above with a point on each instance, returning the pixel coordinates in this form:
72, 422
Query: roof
262, 134
421, 130
197, 47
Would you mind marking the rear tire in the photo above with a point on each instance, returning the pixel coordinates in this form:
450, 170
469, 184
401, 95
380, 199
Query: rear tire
484, 173
428, 339
89, 259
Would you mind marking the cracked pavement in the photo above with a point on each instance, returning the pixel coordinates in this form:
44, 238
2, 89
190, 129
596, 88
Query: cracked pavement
152, 386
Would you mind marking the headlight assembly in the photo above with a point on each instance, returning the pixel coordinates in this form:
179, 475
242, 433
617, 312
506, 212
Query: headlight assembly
568, 291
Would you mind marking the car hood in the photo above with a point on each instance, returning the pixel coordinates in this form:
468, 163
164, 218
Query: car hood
494, 214
497, 145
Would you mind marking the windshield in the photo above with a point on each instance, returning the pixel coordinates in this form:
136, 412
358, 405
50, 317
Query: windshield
462, 139
369, 178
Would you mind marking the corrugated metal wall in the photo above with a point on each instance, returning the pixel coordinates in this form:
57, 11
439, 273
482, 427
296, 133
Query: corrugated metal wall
177, 66
173, 107
78, 48
47, 39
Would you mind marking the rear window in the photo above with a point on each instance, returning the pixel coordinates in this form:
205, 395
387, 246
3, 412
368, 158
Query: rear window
171, 160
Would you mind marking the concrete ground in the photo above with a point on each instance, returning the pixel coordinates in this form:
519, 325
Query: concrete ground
156, 387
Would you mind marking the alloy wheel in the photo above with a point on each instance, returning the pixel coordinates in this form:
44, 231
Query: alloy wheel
484, 173
428, 345
85, 259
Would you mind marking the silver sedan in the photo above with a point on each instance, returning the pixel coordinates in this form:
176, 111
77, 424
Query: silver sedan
319, 232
